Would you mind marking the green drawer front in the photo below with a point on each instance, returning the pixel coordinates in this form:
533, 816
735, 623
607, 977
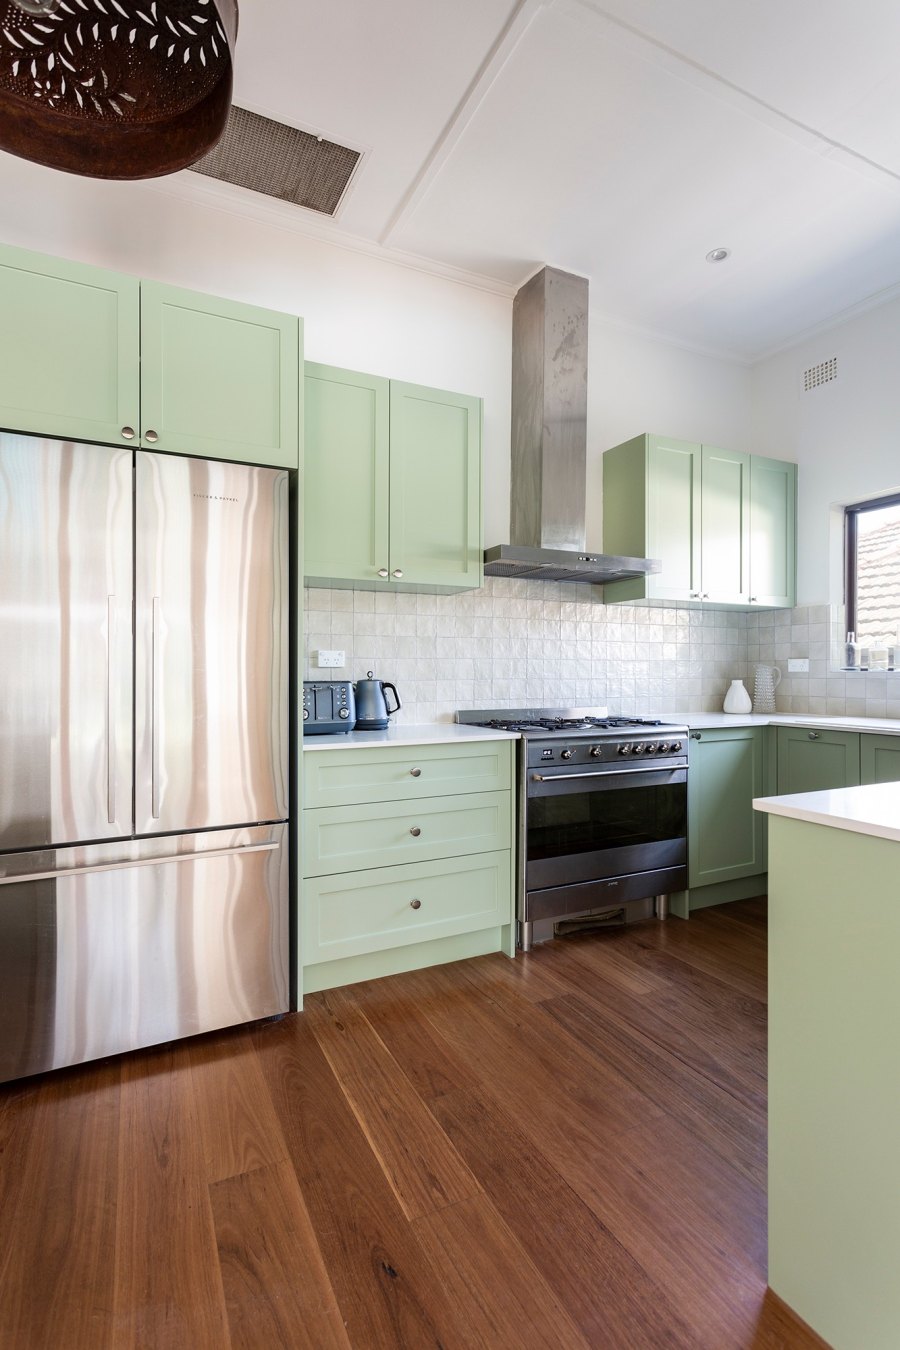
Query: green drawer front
347, 838
879, 759
404, 773
371, 911
813, 759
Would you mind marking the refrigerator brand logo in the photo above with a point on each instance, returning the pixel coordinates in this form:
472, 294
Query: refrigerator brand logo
215, 497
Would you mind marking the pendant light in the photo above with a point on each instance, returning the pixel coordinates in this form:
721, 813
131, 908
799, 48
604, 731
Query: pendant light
115, 88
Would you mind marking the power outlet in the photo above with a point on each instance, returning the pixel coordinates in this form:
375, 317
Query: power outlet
798, 665
330, 660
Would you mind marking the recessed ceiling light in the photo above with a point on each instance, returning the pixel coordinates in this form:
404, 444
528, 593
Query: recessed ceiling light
718, 254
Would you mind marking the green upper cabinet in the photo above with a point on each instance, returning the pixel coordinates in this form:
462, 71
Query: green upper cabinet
69, 349
392, 483
720, 521
218, 378
810, 760
91, 355
726, 837
773, 508
346, 473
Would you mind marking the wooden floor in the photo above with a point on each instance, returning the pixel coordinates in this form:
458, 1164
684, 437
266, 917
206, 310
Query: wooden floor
567, 1150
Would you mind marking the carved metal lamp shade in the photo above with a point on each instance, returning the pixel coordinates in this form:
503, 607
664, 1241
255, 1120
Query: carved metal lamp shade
115, 88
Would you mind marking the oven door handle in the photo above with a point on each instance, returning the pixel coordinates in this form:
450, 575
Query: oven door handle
605, 773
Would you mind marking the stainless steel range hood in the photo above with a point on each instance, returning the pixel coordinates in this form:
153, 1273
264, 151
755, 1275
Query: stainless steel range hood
549, 441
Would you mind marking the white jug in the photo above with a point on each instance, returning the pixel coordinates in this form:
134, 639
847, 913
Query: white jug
765, 681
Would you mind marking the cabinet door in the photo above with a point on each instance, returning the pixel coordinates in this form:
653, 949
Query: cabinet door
673, 517
435, 514
773, 558
69, 361
811, 760
879, 759
219, 379
725, 526
346, 475
726, 837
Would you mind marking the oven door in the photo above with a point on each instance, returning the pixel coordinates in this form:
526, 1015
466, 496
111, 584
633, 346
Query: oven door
586, 826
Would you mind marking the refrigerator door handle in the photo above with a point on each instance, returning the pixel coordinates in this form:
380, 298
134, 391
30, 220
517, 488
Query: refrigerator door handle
155, 677
125, 863
111, 638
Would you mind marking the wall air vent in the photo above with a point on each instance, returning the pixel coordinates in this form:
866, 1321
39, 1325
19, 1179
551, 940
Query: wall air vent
820, 374
280, 161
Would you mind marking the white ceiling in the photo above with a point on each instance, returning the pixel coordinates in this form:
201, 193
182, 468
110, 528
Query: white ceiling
621, 141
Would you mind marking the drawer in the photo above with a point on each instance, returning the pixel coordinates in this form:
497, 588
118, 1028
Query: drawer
399, 773
393, 907
348, 838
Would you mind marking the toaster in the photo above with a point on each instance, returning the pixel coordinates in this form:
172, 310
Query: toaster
328, 706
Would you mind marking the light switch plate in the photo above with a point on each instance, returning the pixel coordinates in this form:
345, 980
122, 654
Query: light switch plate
330, 660
798, 665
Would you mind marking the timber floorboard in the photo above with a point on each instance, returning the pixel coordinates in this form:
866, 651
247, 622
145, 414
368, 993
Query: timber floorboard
566, 1151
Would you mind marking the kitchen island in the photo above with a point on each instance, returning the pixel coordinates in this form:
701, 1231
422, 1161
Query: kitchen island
834, 1061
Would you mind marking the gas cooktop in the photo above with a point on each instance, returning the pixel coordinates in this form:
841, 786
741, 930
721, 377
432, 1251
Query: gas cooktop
556, 721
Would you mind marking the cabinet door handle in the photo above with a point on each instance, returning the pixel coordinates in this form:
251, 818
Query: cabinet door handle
382, 571
813, 735
415, 831
695, 595
128, 433
695, 736
111, 688
705, 595
753, 599
398, 573
151, 436
416, 773
415, 904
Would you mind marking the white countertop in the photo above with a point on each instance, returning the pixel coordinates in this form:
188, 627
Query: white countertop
879, 726
873, 809
411, 733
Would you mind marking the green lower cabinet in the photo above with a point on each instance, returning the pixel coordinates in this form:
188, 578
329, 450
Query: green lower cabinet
879, 759
69, 349
810, 760
406, 863
726, 837
392, 495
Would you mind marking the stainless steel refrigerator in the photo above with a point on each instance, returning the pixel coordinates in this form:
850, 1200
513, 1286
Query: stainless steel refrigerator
143, 749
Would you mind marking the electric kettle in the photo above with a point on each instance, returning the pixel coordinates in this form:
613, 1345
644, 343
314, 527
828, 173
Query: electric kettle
372, 711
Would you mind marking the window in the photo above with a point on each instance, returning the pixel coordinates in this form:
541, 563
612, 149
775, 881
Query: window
872, 540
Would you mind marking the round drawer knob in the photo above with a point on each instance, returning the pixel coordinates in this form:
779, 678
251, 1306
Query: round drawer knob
397, 572
415, 831
382, 571
151, 437
813, 735
415, 904
128, 433
416, 773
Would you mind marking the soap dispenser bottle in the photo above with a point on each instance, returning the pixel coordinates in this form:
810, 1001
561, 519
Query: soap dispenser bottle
851, 653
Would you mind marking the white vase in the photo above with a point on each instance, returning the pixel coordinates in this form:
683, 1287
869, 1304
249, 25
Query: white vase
737, 700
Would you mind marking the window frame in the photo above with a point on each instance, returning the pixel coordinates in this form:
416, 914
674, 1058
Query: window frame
852, 512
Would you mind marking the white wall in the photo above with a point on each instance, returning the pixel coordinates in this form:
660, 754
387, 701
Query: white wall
845, 435
371, 314
638, 384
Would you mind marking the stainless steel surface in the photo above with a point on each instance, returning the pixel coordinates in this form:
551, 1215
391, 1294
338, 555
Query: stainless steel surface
211, 674
600, 773
661, 907
103, 953
65, 628
541, 564
549, 435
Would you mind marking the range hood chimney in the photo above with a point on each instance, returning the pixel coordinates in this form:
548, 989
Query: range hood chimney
549, 441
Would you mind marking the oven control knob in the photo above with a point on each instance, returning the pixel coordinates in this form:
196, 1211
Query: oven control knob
675, 748
596, 751
567, 754
650, 748
625, 749
639, 747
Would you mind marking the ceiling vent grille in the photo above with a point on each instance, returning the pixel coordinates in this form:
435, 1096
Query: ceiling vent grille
820, 374
281, 161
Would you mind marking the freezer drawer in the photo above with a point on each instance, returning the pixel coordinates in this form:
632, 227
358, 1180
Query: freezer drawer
112, 947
